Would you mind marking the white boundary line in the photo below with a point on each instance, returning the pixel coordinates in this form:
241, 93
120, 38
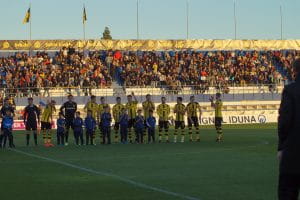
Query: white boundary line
120, 178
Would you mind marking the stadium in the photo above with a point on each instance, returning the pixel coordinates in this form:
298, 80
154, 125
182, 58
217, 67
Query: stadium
193, 119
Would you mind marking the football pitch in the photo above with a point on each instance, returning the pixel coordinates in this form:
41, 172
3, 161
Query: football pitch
242, 167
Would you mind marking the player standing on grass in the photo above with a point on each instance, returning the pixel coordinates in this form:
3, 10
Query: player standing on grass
192, 116
94, 108
117, 111
46, 123
31, 120
147, 106
6, 106
131, 107
100, 112
217, 105
69, 109
179, 111
163, 112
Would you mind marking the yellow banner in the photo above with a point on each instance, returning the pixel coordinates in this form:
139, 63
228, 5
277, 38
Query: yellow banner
149, 45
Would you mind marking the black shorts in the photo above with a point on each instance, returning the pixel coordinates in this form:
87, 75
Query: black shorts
163, 125
45, 126
193, 121
69, 123
31, 125
218, 121
131, 123
179, 124
117, 126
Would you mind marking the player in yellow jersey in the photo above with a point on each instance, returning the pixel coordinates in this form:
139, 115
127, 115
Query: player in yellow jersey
163, 112
94, 108
217, 105
101, 107
179, 111
46, 123
147, 106
131, 107
117, 111
193, 108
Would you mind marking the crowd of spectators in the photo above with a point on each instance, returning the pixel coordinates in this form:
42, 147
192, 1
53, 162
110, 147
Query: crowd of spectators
21, 73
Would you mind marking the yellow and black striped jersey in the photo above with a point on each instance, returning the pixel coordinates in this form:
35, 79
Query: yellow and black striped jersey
192, 109
163, 111
92, 107
218, 108
179, 111
101, 108
47, 113
147, 106
117, 110
132, 108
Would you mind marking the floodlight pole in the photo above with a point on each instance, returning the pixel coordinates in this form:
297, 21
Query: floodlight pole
187, 19
235, 20
137, 20
281, 23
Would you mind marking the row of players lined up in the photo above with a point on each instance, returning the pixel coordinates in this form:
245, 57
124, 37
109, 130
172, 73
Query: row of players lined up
126, 117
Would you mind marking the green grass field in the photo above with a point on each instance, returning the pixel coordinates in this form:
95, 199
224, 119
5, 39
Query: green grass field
242, 167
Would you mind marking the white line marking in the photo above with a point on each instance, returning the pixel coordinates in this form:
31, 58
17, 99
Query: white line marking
126, 180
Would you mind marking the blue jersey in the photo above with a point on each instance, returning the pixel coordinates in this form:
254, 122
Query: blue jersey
106, 119
139, 122
124, 120
151, 122
78, 123
61, 122
90, 123
7, 122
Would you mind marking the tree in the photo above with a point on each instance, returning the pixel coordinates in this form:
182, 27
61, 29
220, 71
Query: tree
106, 34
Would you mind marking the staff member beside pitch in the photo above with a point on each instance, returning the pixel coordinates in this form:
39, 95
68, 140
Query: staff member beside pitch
289, 139
69, 109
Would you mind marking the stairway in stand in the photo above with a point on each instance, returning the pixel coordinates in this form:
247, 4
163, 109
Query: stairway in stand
118, 89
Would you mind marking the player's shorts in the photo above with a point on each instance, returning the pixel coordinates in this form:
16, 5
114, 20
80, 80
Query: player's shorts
2, 126
117, 126
131, 123
193, 121
31, 125
218, 121
179, 124
45, 126
163, 125
69, 123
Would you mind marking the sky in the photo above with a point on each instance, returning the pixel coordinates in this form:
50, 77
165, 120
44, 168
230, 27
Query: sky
158, 19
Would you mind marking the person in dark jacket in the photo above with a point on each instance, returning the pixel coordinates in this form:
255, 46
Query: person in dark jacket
90, 125
151, 123
106, 125
60, 132
78, 130
7, 126
69, 109
139, 127
289, 139
124, 121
